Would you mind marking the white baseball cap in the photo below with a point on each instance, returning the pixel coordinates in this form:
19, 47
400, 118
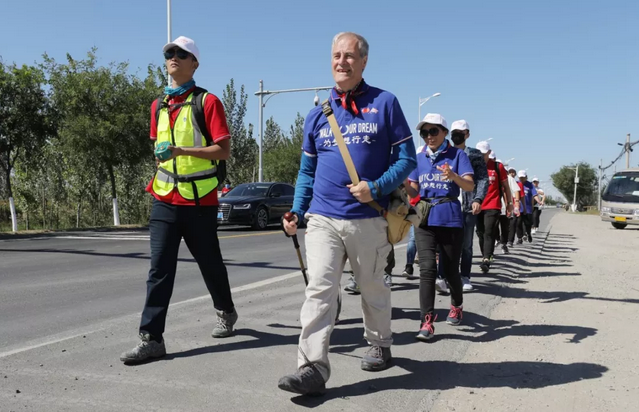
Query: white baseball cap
522, 173
492, 156
483, 147
459, 125
433, 118
511, 168
185, 44
535, 179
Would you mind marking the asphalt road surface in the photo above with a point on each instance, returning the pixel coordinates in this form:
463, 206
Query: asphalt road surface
70, 304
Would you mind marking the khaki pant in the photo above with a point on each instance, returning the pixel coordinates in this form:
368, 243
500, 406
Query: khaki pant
328, 243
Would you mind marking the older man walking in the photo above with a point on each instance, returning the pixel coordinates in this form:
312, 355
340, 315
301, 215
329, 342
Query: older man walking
340, 223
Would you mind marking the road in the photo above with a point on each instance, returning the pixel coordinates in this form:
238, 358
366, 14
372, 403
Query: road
55, 283
70, 305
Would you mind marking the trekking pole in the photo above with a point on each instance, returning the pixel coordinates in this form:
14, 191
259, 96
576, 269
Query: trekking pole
288, 216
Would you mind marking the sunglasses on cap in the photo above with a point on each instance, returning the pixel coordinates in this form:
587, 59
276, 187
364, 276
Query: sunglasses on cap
433, 131
181, 54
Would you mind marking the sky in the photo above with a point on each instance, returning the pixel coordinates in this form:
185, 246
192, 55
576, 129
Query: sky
550, 82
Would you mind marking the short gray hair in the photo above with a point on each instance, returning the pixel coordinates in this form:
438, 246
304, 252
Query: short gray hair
362, 44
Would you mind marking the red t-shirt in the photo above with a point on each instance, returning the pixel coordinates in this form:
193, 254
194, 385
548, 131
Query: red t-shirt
492, 200
219, 130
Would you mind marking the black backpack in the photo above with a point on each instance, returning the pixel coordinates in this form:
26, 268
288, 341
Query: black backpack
198, 110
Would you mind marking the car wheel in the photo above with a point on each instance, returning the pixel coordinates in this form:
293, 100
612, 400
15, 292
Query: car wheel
619, 225
260, 222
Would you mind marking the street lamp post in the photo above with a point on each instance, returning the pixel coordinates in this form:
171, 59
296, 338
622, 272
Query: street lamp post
261, 93
168, 31
422, 102
574, 198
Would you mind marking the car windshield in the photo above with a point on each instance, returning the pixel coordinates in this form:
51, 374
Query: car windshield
249, 189
623, 187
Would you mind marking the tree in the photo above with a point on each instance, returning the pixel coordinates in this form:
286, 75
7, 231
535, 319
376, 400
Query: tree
273, 136
282, 164
106, 118
564, 181
241, 166
25, 121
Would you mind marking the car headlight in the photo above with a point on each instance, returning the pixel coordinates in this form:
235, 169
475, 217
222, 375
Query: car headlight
242, 207
636, 212
605, 210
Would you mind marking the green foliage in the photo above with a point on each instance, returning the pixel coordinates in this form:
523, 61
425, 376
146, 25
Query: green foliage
564, 180
282, 163
242, 165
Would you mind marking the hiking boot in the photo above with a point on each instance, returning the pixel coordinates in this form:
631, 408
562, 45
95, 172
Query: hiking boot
146, 349
427, 330
388, 280
352, 286
441, 286
504, 249
485, 265
466, 285
225, 322
455, 315
307, 380
377, 358
408, 272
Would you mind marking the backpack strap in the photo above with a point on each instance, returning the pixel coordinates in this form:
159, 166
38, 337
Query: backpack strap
199, 94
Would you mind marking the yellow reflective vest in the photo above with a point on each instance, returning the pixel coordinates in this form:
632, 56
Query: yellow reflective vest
193, 177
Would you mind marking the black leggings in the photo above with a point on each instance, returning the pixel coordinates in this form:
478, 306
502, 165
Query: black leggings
536, 216
487, 220
512, 229
448, 241
524, 225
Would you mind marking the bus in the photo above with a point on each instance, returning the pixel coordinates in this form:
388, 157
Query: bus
620, 200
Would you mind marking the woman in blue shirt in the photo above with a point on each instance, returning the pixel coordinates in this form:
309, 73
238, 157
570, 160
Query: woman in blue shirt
442, 170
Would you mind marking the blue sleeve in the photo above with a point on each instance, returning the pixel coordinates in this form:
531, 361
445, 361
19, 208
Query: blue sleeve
304, 185
463, 165
398, 126
403, 162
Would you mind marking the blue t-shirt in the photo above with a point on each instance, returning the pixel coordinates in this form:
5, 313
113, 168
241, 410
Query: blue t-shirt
431, 185
369, 136
530, 192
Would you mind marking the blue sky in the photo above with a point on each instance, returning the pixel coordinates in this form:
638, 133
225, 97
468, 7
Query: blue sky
551, 82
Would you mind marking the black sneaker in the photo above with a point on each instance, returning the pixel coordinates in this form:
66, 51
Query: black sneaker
377, 358
520, 241
504, 249
530, 239
510, 244
306, 381
485, 265
408, 271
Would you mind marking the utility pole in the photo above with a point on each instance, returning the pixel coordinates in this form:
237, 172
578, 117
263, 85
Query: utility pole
600, 177
628, 149
574, 199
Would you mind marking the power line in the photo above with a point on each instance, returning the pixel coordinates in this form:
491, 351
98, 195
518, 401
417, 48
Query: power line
623, 151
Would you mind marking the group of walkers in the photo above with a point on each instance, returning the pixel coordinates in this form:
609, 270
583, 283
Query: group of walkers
463, 188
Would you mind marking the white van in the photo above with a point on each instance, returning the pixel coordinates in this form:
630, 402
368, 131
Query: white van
620, 200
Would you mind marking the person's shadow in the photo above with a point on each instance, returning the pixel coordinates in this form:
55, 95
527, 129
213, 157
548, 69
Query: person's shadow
444, 375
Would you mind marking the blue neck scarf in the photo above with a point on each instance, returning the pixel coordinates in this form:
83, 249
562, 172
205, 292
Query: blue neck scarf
433, 155
180, 90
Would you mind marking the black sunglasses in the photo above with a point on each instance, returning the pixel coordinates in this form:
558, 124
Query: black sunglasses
433, 131
181, 54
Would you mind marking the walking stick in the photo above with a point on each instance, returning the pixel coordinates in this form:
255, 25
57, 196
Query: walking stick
288, 216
